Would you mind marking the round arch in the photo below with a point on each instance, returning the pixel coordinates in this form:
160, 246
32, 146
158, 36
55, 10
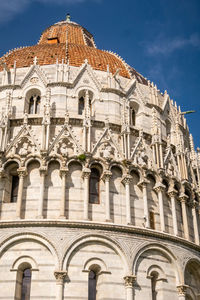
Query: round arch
19, 237
166, 252
94, 238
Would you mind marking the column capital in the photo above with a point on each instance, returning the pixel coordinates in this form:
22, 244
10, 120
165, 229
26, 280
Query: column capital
129, 280
183, 198
172, 193
86, 173
126, 179
142, 183
43, 170
60, 276
107, 175
2, 173
159, 187
64, 172
22, 171
182, 289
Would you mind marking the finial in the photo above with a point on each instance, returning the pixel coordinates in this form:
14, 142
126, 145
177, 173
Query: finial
68, 17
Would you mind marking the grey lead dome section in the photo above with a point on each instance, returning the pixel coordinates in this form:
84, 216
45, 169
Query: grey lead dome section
99, 180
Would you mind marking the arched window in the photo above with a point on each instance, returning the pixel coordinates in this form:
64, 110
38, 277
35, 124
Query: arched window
80, 105
132, 117
154, 278
92, 285
152, 219
23, 282
14, 188
94, 186
34, 104
26, 284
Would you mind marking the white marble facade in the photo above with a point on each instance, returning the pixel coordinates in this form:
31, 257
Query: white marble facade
145, 222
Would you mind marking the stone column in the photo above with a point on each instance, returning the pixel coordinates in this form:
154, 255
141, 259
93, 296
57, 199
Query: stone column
43, 171
106, 177
129, 285
182, 289
126, 181
195, 222
183, 199
143, 185
159, 188
60, 277
172, 194
21, 173
86, 176
63, 174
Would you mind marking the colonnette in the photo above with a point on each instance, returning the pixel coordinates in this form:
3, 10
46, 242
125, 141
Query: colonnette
99, 177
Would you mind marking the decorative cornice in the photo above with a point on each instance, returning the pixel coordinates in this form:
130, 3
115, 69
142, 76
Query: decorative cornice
129, 229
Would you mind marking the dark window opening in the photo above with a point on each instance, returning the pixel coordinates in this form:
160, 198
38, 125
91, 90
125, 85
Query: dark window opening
92, 285
94, 186
132, 117
152, 219
14, 189
154, 278
34, 105
81, 106
26, 284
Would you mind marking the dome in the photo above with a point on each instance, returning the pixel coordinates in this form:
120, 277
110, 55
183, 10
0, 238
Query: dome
71, 43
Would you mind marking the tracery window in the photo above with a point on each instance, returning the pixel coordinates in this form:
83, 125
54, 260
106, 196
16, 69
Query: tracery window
94, 186
34, 104
92, 285
14, 188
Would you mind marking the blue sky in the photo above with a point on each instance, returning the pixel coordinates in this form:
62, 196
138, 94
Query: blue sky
159, 38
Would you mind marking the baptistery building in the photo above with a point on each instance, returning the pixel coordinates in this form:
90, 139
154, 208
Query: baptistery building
99, 178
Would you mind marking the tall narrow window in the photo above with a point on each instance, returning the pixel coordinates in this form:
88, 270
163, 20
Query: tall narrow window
80, 106
132, 117
31, 106
37, 105
152, 219
94, 186
154, 278
26, 284
34, 104
92, 285
14, 189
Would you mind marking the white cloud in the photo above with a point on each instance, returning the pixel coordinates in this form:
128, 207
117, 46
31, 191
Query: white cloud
167, 46
10, 8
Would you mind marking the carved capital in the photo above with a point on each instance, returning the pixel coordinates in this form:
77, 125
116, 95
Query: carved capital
107, 175
129, 280
159, 187
43, 170
86, 173
127, 179
22, 172
142, 183
2, 173
64, 172
60, 276
172, 193
182, 289
183, 198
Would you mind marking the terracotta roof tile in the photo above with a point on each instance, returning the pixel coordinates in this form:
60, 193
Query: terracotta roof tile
79, 44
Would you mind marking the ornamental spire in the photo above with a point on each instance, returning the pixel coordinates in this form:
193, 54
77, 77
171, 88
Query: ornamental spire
68, 18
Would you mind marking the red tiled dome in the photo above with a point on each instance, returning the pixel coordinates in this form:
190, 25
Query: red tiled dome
68, 42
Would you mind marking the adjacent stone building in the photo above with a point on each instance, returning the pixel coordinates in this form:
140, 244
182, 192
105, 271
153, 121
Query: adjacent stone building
99, 178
